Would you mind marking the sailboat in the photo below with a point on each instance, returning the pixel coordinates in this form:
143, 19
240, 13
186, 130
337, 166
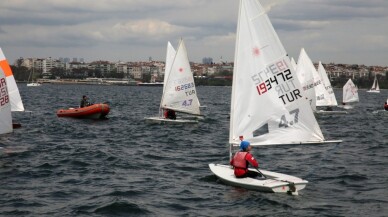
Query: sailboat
350, 95
330, 100
179, 93
375, 86
13, 91
267, 106
304, 71
5, 106
30, 82
311, 81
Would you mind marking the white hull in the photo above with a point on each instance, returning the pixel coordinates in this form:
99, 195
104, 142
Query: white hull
373, 91
347, 107
161, 120
384, 112
275, 182
33, 85
330, 112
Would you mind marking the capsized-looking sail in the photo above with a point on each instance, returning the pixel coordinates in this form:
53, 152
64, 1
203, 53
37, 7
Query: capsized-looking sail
5, 106
350, 92
13, 91
179, 91
268, 104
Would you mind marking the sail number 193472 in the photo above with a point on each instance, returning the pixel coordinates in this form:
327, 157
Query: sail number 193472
283, 83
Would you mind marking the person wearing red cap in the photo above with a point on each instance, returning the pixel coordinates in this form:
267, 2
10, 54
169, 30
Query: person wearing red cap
242, 159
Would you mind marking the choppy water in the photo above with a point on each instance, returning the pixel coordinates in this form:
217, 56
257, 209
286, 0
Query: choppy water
125, 167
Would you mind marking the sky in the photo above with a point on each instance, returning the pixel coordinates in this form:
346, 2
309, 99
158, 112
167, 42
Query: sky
338, 31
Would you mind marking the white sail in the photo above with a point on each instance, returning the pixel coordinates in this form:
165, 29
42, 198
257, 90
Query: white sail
350, 92
377, 85
268, 105
305, 75
169, 58
179, 91
330, 100
13, 91
170, 55
5, 106
374, 84
30, 82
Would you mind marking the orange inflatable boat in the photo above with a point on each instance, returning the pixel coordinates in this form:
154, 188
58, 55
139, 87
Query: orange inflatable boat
95, 111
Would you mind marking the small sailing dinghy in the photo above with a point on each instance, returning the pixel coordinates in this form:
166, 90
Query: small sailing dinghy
179, 93
311, 81
350, 95
375, 86
330, 101
31, 82
5, 106
267, 106
13, 91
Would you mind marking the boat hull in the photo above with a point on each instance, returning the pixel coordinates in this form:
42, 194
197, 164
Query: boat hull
157, 84
96, 111
161, 120
331, 112
373, 91
33, 85
274, 182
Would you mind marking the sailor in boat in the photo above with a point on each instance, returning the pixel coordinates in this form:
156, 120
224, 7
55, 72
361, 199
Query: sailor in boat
84, 102
329, 108
169, 114
241, 161
386, 106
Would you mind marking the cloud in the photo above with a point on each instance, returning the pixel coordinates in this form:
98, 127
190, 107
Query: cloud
135, 29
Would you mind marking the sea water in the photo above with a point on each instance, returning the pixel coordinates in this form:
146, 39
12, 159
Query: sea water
125, 167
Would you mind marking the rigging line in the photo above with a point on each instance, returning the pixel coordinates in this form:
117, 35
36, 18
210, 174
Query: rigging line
324, 158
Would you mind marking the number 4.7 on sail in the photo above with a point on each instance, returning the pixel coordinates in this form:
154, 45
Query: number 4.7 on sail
285, 123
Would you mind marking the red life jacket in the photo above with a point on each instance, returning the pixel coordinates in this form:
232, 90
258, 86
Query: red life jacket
239, 160
165, 113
